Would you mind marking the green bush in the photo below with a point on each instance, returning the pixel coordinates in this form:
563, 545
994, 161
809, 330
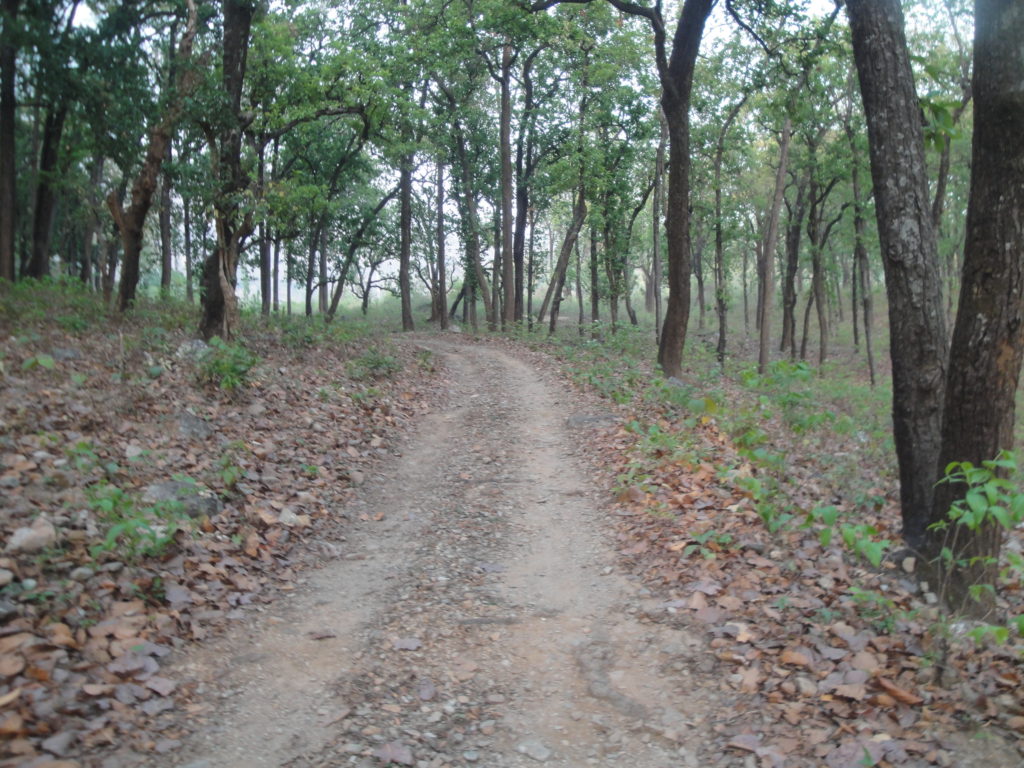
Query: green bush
226, 365
374, 363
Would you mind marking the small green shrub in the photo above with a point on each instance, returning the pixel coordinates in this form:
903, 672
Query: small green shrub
226, 365
134, 531
374, 363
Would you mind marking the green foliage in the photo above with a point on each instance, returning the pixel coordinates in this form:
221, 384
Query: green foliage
39, 361
374, 363
134, 531
229, 470
861, 539
992, 493
226, 365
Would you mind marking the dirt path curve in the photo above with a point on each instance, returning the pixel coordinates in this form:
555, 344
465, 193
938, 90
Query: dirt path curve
473, 617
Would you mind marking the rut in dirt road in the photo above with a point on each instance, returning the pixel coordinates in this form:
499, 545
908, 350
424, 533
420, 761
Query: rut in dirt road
474, 616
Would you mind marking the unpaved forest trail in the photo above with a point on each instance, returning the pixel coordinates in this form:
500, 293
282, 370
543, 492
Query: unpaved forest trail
473, 616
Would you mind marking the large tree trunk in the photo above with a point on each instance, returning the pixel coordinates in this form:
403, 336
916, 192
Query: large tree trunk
219, 302
677, 85
132, 221
909, 252
988, 338
8, 159
46, 192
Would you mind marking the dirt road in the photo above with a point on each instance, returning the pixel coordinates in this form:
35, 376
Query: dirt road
474, 616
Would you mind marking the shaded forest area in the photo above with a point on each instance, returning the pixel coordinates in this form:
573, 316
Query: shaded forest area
811, 210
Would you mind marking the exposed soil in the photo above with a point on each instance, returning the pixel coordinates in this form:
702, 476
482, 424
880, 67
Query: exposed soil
474, 616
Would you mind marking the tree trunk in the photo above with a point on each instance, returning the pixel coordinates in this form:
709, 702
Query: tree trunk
8, 158
770, 238
508, 276
442, 274
166, 254
219, 301
677, 84
656, 223
46, 192
186, 215
132, 221
553, 296
909, 252
405, 248
988, 337
721, 297
595, 280
794, 231
581, 315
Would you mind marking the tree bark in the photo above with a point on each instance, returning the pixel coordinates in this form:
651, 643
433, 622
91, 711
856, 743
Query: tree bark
405, 247
219, 302
8, 158
794, 232
166, 255
988, 337
656, 205
46, 192
553, 296
721, 297
442, 276
677, 84
131, 222
909, 252
768, 250
508, 266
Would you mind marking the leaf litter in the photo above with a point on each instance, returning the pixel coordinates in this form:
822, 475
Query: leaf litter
86, 623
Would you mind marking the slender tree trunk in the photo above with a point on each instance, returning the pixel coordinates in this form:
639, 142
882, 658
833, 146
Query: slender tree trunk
807, 324
8, 158
769, 248
595, 280
166, 252
909, 252
496, 276
442, 274
656, 224
405, 248
553, 296
746, 293
721, 297
322, 287
581, 316
276, 272
508, 277
263, 235
530, 269
988, 338
186, 215
91, 261
794, 232
132, 221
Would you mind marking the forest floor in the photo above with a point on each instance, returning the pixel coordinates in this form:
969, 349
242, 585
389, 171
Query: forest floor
438, 565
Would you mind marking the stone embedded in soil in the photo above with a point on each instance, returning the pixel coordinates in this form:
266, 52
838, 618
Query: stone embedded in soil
6, 577
195, 500
42, 534
534, 749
